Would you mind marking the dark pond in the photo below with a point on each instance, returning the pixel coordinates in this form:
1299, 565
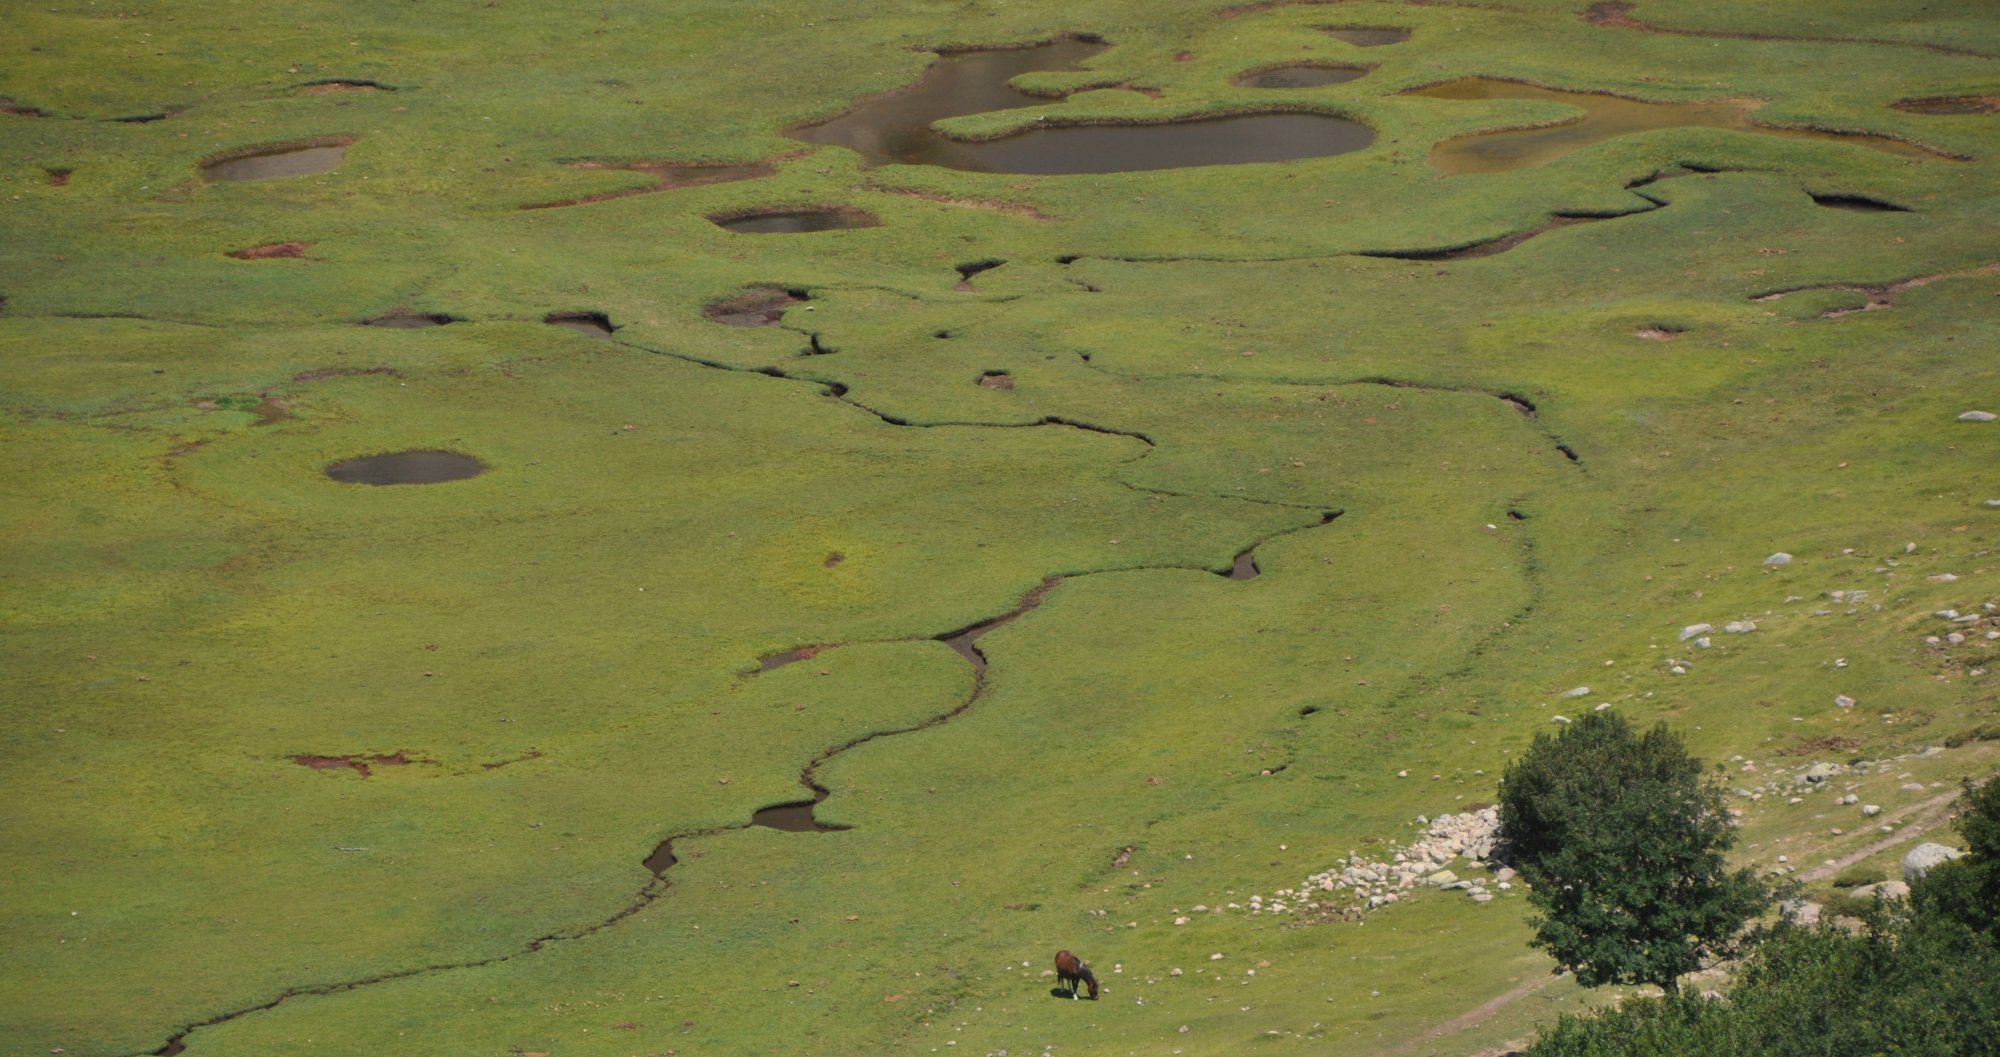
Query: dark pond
1300, 76
407, 467
758, 306
408, 320
286, 161
1367, 36
590, 324
1858, 204
1604, 117
796, 221
896, 129
796, 817
1245, 566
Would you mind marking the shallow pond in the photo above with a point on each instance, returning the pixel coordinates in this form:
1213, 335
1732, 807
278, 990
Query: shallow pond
407, 467
285, 161
896, 129
1604, 117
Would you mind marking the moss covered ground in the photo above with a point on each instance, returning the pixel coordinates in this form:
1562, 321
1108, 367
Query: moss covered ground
1545, 463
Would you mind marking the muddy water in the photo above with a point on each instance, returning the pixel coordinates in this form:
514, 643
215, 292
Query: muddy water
1300, 76
407, 467
1605, 117
1957, 105
896, 129
293, 161
1367, 36
795, 817
589, 324
795, 222
1245, 566
408, 320
759, 306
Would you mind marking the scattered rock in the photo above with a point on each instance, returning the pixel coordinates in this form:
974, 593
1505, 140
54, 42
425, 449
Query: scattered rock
1693, 630
1977, 416
1577, 691
1871, 810
1740, 627
1892, 890
1780, 558
1559, 719
1924, 856
1843, 701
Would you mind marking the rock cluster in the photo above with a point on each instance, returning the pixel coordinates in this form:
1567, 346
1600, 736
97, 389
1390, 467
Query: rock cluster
1473, 836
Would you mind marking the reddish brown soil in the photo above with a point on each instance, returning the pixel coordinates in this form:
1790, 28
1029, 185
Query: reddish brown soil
358, 764
58, 177
8, 106
270, 250
323, 373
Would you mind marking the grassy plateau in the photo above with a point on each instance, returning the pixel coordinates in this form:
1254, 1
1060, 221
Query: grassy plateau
294, 765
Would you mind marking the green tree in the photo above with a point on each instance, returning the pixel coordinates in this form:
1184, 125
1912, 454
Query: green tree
1967, 890
1621, 842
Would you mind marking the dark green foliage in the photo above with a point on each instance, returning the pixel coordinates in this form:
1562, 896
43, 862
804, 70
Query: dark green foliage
1621, 841
1967, 890
1910, 986
1920, 981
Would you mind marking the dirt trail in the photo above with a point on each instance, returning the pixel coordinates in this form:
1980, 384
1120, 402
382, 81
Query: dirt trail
1925, 817
1474, 1017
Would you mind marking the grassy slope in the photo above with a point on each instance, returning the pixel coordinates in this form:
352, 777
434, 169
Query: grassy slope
188, 603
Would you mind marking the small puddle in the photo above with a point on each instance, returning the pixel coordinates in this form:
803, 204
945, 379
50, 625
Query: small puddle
795, 221
803, 653
1300, 76
896, 129
1367, 36
275, 162
965, 642
589, 324
409, 320
1858, 204
758, 306
997, 380
1605, 117
795, 817
407, 467
1952, 107
1245, 566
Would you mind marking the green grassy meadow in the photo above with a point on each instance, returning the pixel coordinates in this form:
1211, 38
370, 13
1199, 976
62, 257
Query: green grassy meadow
1545, 463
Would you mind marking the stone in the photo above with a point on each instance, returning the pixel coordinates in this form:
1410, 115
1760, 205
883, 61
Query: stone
1693, 630
1577, 691
1482, 897
1871, 810
1800, 911
1843, 701
1924, 856
1740, 627
1977, 416
1780, 558
1892, 890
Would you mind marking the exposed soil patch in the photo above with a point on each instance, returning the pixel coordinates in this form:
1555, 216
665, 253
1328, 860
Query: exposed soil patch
757, 306
302, 158
1951, 106
794, 221
407, 467
402, 319
1244, 567
337, 86
968, 270
270, 251
1658, 333
145, 119
896, 129
58, 177
1368, 36
359, 764
1299, 76
833, 560
589, 324
1604, 117
321, 374
996, 380
8, 106
794, 656
531, 754
1858, 204
668, 176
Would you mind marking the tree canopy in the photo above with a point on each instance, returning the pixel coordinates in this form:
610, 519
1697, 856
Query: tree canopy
1622, 844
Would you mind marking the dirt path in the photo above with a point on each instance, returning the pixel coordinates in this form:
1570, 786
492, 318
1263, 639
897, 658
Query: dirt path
1924, 817
1476, 1016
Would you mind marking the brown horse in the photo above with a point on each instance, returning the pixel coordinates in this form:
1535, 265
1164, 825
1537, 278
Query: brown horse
1071, 970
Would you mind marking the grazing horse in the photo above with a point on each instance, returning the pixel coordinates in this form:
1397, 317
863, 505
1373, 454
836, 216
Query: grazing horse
1071, 970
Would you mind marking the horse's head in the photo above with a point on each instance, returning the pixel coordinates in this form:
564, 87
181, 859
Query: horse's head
1090, 981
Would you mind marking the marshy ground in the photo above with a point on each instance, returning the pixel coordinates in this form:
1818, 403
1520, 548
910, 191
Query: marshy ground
1132, 535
